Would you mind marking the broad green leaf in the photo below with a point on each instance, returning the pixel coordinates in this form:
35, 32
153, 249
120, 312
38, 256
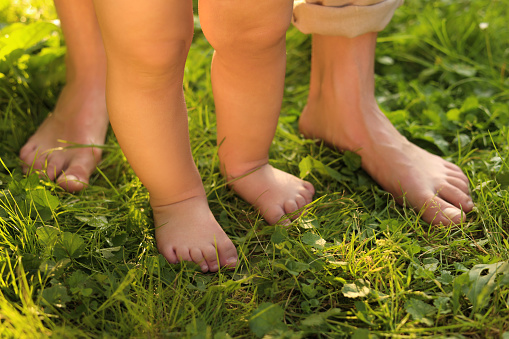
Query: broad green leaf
107, 253
314, 320
308, 164
430, 264
419, 310
22, 36
117, 240
397, 116
17, 190
266, 318
483, 281
442, 304
458, 283
352, 160
32, 181
296, 267
308, 223
503, 178
77, 279
198, 329
280, 235
305, 167
360, 288
100, 221
309, 290
445, 278
86, 292
313, 240
52, 268
438, 140
45, 203
364, 313
460, 267
470, 103
432, 115
44, 198
426, 271
360, 333
47, 235
453, 114
56, 295
70, 245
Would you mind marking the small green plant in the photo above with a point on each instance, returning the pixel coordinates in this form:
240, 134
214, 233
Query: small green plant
356, 265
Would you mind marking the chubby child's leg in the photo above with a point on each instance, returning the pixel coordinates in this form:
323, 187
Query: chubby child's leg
80, 115
343, 112
146, 45
248, 72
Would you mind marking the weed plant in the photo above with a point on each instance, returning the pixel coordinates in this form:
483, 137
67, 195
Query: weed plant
356, 265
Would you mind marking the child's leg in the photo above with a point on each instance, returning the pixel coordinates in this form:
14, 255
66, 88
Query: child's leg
146, 44
80, 114
342, 111
248, 72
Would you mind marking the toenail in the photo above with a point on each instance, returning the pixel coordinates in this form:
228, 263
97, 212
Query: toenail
231, 261
214, 268
469, 205
451, 212
204, 268
70, 177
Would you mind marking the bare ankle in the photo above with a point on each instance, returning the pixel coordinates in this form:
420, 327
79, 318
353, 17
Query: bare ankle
158, 200
232, 171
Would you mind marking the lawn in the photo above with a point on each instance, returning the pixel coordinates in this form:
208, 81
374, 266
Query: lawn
356, 265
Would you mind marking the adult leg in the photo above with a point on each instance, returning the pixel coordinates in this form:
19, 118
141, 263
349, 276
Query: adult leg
146, 46
343, 112
248, 72
80, 115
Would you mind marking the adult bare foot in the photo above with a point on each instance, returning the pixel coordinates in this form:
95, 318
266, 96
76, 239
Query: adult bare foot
187, 231
342, 111
80, 116
274, 193
62, 146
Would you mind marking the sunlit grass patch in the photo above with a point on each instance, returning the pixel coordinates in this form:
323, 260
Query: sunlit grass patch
354, 265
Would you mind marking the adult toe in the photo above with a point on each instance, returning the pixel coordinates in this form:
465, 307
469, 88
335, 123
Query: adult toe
460, 184
439, 212
77, 174
456, 197
54, 167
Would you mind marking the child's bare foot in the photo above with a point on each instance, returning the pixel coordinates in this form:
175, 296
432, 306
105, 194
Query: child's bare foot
188, 231
342, 111
273, 192
80, 117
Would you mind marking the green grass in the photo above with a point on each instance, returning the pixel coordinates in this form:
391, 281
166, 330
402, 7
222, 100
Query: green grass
86, 265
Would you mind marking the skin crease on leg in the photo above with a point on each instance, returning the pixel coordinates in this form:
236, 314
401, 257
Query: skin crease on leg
80, 115
342, 111
248, 71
